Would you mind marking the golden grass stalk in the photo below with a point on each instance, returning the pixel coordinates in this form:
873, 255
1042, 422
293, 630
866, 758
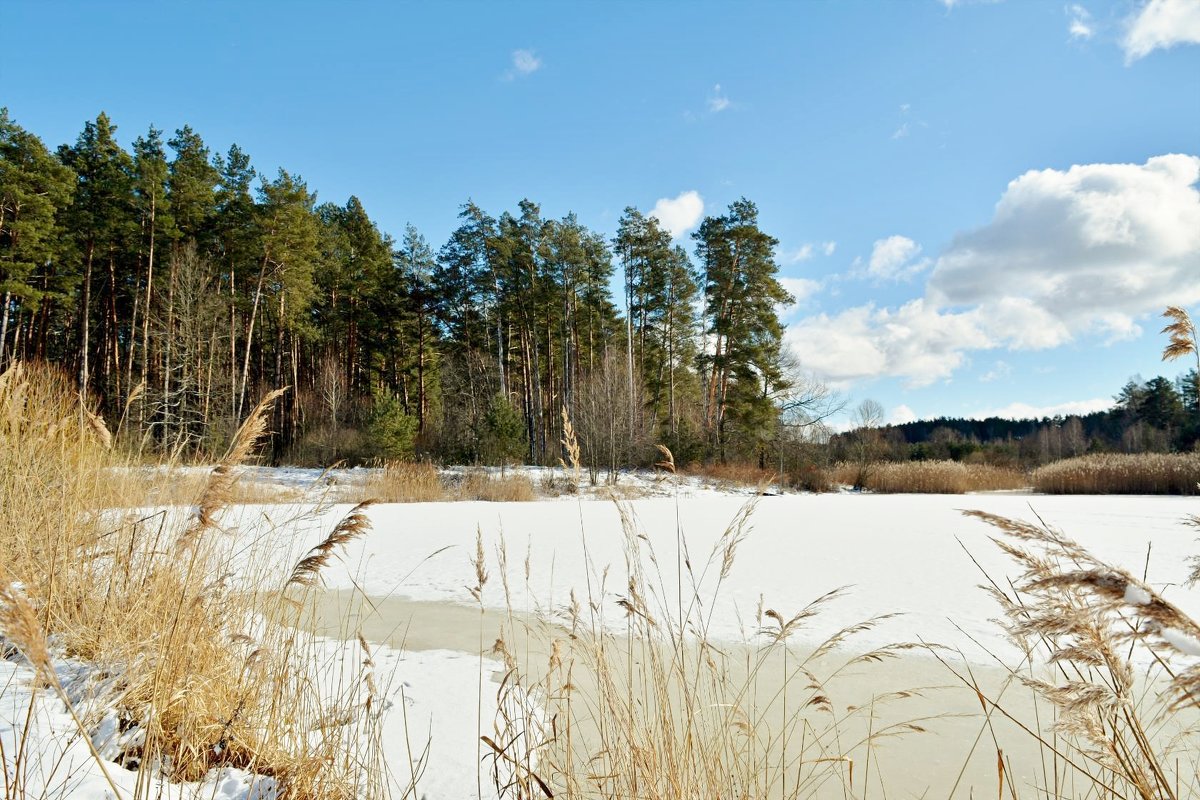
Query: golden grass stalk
307, 571
219, 491
1182, 333
641, 703
406, 482
1089, 620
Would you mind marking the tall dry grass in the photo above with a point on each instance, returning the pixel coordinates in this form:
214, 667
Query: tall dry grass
189, 677
931, 477
406, 482
422, 482
737, 475
1121, 473
634, 700
1114, 666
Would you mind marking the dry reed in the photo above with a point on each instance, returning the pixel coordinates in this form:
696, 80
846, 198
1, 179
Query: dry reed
406, 482
195, 679
1121, 473
511, 488
1119, 667
931, 477
635, 700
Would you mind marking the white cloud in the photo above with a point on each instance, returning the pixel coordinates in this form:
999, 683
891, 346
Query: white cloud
915, 342
807, 252
1161, 24
717, 101
1026, 411
900, 132
802, 253
800, 288
1084, 251
901, 414
1080, 26
524, 62
999, 371
679, 214
895, 258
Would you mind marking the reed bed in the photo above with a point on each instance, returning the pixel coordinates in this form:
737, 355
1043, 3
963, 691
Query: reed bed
406, 482
733, 474
422, 482
187, 677
930, 477
489, 487
1121, 473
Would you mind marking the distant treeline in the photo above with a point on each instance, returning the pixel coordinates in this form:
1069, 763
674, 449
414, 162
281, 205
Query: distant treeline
1157, 415
178, 286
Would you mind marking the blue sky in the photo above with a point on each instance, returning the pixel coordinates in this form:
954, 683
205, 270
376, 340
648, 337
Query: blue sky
980, 204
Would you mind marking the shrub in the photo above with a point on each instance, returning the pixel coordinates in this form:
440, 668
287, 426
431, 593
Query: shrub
1120, 473
503, 437
390, 432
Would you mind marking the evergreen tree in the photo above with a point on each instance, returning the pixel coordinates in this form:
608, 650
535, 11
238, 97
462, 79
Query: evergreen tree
407, 304
34, 186
191, 183
741, 292
289, 239
661, 291
101, 222
156, 227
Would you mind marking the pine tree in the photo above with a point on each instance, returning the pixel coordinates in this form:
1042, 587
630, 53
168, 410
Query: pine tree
407, 303
101, 221
741, 293
156, 227
660, 289
289, 238
468, 316
34, 186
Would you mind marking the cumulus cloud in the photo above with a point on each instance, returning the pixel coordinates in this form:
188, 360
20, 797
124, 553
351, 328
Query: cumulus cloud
900, 415
1083, 251
717, 101
679, 214
915, 342
1080, 26
1026, 411
800, 288
524, 62
1088, 249
895, 258
1160, 25
828, 248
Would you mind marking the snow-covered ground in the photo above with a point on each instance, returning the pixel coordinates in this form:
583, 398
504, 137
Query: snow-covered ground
430, 721
904, 554
348, 483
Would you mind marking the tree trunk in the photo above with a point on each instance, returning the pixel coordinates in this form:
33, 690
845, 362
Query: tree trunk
84, 374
